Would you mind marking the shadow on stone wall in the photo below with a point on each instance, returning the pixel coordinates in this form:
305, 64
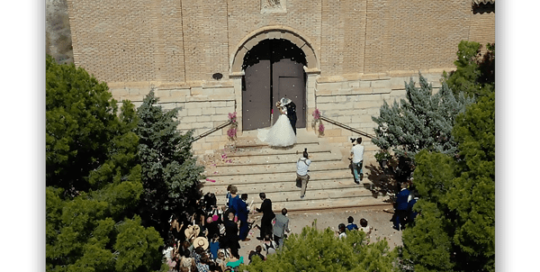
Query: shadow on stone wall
58, 32
483, 8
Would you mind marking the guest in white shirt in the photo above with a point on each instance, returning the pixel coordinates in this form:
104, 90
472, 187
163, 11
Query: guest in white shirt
302, 168
341, 231
357, 157
365, 228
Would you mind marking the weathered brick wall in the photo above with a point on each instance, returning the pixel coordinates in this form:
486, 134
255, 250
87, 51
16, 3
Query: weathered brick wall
205, 34
482, 28
246, 16
113, 39
189, 40
168, 41
414, 34
343, 37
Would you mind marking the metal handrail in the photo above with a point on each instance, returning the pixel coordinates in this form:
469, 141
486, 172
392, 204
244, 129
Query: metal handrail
196, 138
347, 127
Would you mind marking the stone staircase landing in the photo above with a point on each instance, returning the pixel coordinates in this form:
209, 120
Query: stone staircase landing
255, 167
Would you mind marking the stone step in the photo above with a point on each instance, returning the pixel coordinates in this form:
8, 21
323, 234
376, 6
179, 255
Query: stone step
316, 165
223, 181
259, 146
276, 159
284, 186
255, 167
311, 194
317, 199
320, 204
249, 141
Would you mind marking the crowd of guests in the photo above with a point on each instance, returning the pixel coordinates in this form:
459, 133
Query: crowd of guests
206, 238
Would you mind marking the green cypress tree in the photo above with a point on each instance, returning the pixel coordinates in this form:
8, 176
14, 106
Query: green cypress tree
93, 188
170, 174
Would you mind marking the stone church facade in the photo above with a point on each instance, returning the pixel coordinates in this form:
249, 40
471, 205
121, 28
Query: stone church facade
214, 57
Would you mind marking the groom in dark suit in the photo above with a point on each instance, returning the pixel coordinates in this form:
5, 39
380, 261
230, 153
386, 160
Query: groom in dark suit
291, 112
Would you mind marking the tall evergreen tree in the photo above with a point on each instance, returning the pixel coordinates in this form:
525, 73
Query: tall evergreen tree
81, 122
456, 228
170, 174
315, 250
475, 73
93, 179
423, 121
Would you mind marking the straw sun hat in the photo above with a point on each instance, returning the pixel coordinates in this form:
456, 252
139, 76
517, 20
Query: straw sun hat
192, 231
201, 242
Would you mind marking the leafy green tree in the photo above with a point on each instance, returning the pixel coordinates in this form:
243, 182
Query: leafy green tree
170, 174
423, 121
315, 250
456, 228
93, 179
81, 122
81, 235
475, 73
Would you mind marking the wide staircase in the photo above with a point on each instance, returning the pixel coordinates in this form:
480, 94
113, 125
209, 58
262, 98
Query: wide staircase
255, 167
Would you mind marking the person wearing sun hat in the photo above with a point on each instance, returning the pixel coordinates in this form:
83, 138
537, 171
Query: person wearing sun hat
192, 232
201, 242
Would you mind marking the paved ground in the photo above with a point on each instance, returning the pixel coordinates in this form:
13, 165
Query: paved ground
377, 218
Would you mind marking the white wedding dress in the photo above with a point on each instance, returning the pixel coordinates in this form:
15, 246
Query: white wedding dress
280, 134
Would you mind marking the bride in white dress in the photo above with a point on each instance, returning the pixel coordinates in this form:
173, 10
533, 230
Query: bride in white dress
281, 133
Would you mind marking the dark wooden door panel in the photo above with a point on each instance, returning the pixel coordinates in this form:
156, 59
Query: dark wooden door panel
273, 69
288, 81
256, 96
291, 87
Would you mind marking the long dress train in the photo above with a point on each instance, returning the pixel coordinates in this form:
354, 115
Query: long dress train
281, 134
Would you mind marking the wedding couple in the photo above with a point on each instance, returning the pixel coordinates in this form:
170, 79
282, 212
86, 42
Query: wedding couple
283, 132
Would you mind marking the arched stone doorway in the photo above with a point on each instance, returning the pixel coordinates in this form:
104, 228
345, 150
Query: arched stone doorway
310, 69
273, 69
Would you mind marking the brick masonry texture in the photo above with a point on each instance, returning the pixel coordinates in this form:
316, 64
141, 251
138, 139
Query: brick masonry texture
189, 40
364, 49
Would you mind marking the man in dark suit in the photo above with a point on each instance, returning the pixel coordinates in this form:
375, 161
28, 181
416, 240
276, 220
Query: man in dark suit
231, 235
268, 215
243, 217
291, 111
401, 206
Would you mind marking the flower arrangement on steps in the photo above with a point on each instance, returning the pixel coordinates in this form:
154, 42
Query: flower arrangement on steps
231, 132
317, 119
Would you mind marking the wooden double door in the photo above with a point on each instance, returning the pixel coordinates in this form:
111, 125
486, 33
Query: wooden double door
273, 69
